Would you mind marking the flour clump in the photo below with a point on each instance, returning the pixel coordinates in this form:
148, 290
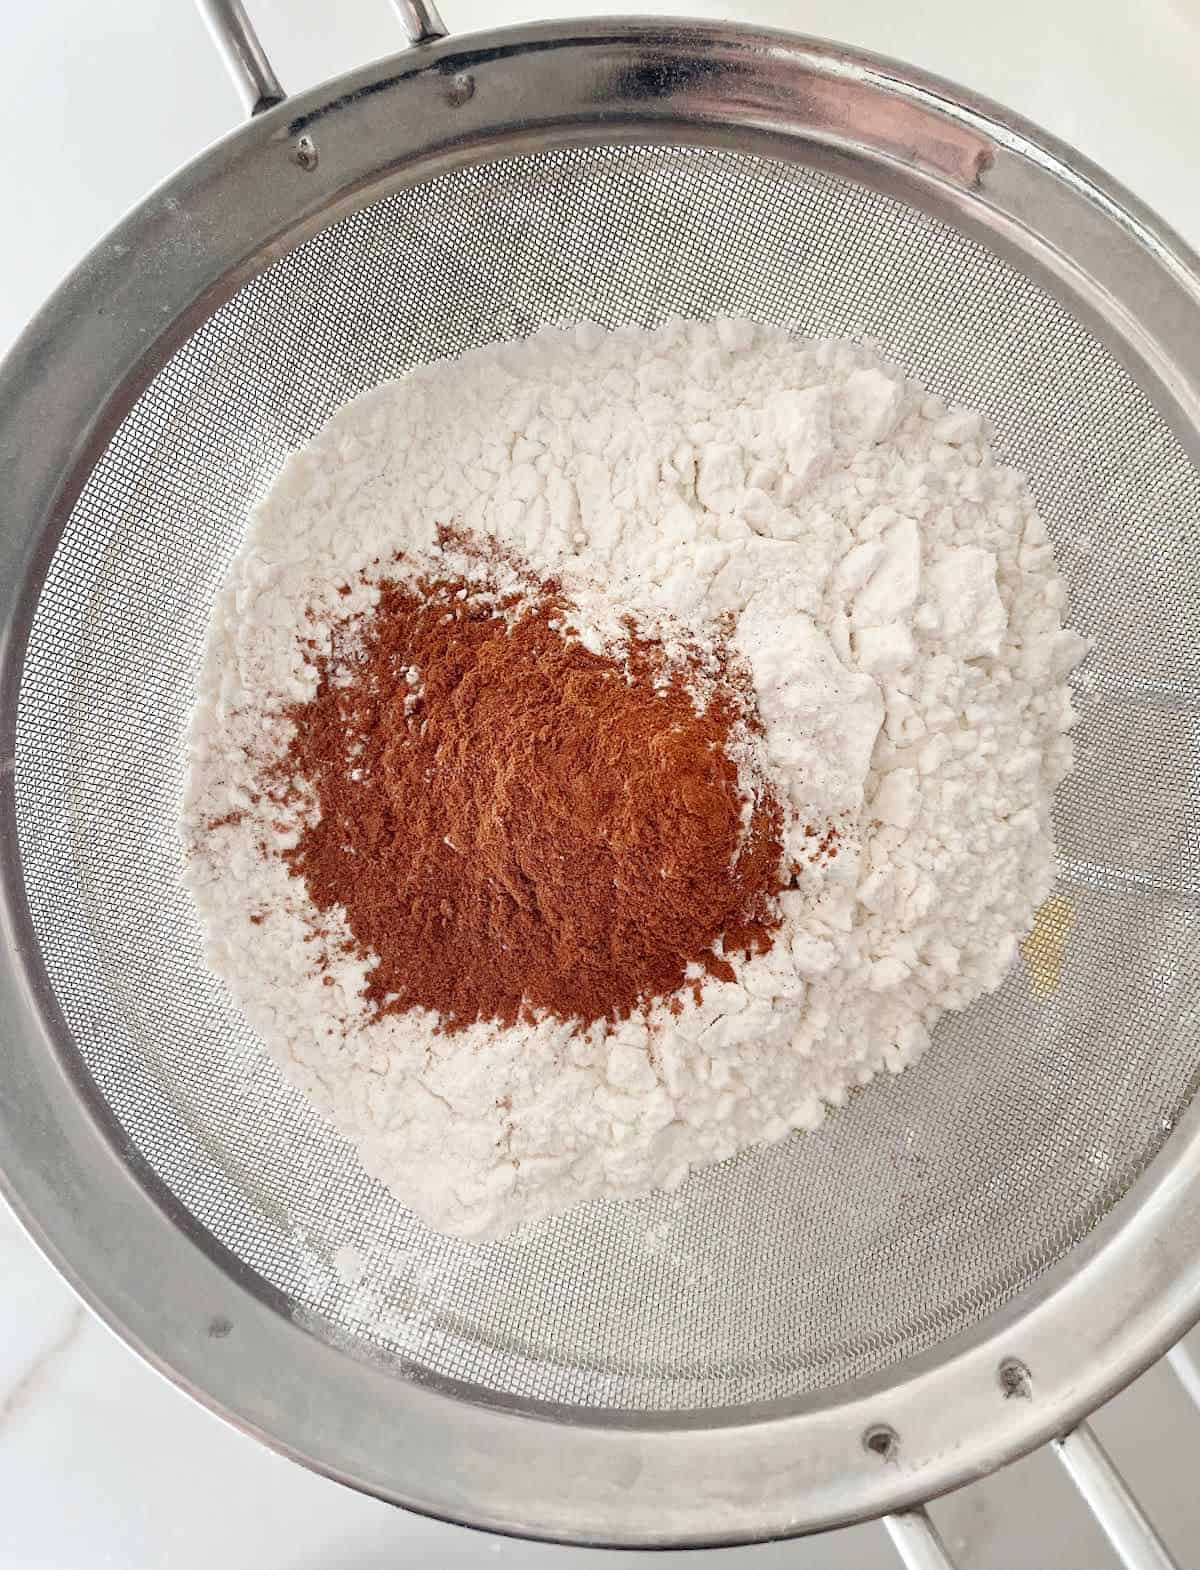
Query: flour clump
790, 519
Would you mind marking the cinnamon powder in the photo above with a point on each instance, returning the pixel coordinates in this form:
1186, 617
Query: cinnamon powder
513, 823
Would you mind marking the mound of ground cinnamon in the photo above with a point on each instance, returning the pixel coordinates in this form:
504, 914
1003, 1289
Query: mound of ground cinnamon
513, 823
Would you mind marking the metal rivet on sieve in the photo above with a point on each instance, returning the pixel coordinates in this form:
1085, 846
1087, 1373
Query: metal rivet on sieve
1015, 1379
305, 152
882, 1441
460, 88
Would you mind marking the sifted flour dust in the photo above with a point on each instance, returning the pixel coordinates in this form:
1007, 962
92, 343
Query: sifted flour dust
894, 595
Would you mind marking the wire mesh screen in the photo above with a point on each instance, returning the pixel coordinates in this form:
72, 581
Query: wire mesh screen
928, 1200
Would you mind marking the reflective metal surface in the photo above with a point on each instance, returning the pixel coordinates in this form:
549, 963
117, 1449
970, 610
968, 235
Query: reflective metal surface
244, 58
572, 1383
420, 20
918, 1541
1138, 1545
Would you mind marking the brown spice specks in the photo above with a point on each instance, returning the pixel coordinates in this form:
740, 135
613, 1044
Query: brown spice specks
545, 829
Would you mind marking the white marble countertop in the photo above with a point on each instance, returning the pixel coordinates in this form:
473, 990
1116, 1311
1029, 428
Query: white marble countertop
101, 1461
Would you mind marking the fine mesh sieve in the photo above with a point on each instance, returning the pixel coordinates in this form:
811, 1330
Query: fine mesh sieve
810, 1278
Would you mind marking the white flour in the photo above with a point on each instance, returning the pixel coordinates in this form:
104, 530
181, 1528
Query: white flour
896, 597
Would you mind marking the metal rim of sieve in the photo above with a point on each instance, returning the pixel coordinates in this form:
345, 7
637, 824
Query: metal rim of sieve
1086, 1326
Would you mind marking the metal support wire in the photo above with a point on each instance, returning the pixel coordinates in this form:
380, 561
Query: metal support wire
1138, 1545
420, 20
1122, 1519
917, 1542
1187, 1369
246, 60
244, 57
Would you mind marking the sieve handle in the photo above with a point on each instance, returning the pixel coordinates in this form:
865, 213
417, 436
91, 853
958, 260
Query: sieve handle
1187, 1369
917, 1540
246, 59
420, 20
1137, 1544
